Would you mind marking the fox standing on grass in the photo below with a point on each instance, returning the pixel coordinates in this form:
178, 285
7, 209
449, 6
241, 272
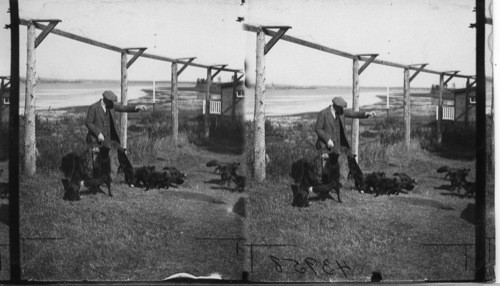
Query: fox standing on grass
101, 121
331, 135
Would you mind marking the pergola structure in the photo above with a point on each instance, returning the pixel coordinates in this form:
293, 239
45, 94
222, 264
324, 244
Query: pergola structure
263, 48
136, 52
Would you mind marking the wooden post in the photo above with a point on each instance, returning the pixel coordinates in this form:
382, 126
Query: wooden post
355, 105
407, 107
259, 113
440, 110
233, 109
467, 85
387, 102
207, 106
175, 104
29, 107
124, 91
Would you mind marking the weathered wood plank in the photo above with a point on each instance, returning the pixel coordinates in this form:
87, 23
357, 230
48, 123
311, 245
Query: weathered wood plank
206, 118
175, 103
124, 100
29, 105
407, 108
185, 65
355, 105
252, 28
417, 72
275, 39
259, 113
114, 48
45, 33
439, 138
136, 55
367, 63
218, 71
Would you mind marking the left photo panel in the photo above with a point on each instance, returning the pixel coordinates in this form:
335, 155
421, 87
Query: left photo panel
131, 137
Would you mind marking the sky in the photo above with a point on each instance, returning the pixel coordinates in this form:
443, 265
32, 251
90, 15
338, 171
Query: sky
204, 29
408, 32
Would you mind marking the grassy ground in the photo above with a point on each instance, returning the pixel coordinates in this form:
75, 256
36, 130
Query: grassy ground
367, 234
135, 235
385, 234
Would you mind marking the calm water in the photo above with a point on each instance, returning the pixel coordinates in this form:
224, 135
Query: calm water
293, 101
58, 95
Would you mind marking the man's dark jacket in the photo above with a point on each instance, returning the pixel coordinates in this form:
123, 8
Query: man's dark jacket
327, 129
96, 122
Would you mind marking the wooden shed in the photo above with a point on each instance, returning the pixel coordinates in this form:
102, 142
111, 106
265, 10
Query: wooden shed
465, 104
5, 99
230, 100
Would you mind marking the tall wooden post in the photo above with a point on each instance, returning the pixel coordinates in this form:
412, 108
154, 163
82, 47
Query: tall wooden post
407, 107
175, 103
355, 105
207, 106
259, 113
481, 153
467, 85
439, 127
124, 91
29, 107
233, 109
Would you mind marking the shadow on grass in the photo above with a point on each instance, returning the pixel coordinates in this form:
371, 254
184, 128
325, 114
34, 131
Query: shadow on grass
422, 202
469, 214
4, 214
195, 196
222, 145
444, 188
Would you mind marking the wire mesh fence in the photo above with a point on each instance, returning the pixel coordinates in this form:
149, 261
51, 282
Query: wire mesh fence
381, 139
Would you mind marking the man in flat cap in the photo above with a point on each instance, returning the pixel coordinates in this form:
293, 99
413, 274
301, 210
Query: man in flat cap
101, 120
331, 135
101, 125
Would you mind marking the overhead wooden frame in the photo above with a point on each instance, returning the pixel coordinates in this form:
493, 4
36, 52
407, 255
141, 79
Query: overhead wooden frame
275, 38
451, 76
291, 39
190, 60
136, 55
221, 67
240, 77
367, 61
422, 66
46, 31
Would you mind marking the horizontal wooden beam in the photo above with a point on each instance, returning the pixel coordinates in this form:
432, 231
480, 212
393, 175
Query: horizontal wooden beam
185, 66
136, 55
422, 66
451, 76
275, 39
367, 63
218, 71
45, 20
288, 38
45, 32
113, 48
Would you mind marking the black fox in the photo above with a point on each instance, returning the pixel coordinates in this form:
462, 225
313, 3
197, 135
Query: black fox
456, 176
407, 182
372, 180
355, 172
126, 167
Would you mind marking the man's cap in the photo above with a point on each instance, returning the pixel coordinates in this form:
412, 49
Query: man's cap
339, 101
109, 95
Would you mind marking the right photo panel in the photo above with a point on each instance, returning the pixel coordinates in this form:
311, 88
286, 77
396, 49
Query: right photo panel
361, 139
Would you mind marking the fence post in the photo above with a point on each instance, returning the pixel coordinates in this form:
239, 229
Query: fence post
30, 103
466, 102
355, 105
440, 110
207, 106
175, 103
259, 115
233, 109
124, 90
407, 107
